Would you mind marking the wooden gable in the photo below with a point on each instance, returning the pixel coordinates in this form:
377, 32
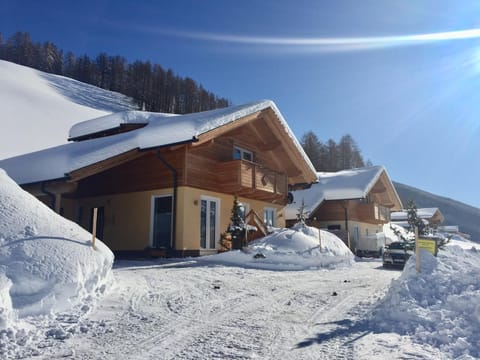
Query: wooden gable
207, 164
383, 193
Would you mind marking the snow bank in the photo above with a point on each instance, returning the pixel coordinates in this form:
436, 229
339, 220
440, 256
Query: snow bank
290, 249
388, 230
440, 305
39, 108
47, 264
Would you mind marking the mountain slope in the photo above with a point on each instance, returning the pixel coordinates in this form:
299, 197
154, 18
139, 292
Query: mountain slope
37, 109
456, 213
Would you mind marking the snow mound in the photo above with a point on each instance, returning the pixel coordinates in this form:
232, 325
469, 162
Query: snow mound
438, 306
388, 230
297, 248
39, 108
47, 263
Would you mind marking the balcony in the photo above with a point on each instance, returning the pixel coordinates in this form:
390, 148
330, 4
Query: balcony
371, 212
249, 179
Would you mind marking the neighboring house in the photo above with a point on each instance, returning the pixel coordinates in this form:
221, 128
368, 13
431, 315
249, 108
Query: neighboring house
452, 230
352, 203
167, 182
432, 217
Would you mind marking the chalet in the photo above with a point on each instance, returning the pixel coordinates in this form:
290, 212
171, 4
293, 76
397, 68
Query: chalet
350, 203
168, 182
431, 217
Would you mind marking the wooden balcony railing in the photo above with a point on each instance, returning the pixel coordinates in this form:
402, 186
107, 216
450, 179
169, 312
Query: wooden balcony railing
372, 211
243, 177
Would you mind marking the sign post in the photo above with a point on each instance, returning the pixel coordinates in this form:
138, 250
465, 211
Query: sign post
320, 239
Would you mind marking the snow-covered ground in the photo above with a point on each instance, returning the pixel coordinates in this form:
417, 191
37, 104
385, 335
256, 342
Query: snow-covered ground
37, 109
303, 300
48, 267
300, 301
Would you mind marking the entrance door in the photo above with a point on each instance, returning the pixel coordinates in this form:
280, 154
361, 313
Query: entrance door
209, 218
162, 222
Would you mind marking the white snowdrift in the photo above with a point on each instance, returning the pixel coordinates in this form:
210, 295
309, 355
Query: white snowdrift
47, 264
290, 249
439, 306
37, 109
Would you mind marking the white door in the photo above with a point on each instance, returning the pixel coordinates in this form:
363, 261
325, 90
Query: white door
209, 222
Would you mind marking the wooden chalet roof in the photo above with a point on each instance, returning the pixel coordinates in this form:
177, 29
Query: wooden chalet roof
62, 161
347, 185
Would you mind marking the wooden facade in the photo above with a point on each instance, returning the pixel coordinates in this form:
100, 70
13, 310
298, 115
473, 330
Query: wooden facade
205, 168
351, 219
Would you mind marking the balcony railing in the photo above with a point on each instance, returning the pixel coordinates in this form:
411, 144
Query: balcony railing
371, 211
243, 177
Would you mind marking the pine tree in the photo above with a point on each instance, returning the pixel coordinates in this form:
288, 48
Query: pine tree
413, 219
236, 228
313, 148
302, 214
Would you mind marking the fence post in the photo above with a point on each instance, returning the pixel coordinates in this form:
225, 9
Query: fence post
94, 227
320, 239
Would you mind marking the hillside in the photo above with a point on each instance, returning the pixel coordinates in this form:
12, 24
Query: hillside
455, 212
37, 109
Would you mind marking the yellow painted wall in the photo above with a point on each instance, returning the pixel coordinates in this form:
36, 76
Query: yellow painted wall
127, 217
127, 225
188, 222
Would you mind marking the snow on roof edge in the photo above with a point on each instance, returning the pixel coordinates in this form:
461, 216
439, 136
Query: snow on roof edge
292, 135
59, 161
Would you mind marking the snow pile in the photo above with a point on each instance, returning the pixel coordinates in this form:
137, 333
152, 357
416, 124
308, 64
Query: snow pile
47, 263
39, 108
440, 305
388, 230
290, 249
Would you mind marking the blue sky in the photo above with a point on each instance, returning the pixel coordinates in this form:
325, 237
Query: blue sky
411, 102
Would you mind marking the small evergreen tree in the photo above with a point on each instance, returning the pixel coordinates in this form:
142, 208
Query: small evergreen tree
302, 214
236, 228
414, 220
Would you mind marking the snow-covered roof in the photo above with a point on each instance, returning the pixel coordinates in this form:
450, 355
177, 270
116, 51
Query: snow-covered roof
111, 121
161, 130
422, 213
341, 185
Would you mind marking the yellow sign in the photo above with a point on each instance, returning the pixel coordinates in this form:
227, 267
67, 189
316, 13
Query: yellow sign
428, 244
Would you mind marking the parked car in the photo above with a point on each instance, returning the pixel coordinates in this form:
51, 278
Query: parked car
397, 253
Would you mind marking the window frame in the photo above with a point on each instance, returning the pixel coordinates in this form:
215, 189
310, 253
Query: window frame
270, 211
242, 152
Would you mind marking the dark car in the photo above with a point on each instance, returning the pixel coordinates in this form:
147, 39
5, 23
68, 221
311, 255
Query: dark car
397, 253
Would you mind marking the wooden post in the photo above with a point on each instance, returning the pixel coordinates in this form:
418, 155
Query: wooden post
320, 239
58, 202
417, 251
94, 227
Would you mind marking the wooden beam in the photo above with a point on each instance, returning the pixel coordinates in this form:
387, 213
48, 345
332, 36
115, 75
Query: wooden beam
271, 145
212, 134
378, 189
105, 164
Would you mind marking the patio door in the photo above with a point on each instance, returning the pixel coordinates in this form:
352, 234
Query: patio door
209, 222
162, 222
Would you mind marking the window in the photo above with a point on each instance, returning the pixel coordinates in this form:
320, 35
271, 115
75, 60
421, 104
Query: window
242, 154
333, 227
161, 221
269, 216
209, 222
244, 208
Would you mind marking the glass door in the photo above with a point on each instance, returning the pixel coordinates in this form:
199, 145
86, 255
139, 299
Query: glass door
162, 222
209, 219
